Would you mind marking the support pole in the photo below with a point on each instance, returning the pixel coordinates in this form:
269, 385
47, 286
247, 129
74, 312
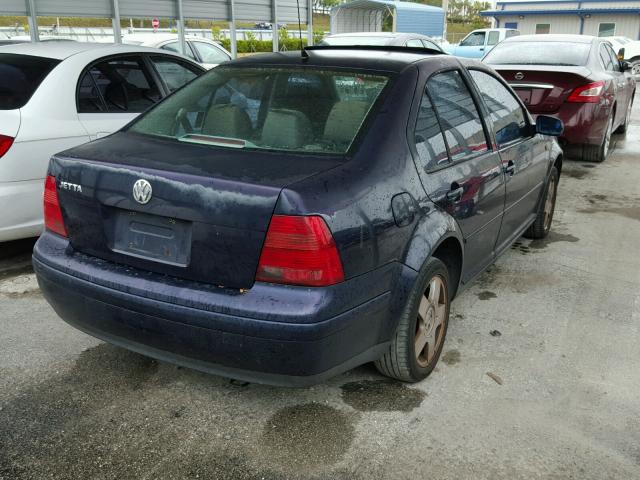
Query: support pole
274, 25
117, 37
181, 42
445, 7
33, 21
309, 22
232, 28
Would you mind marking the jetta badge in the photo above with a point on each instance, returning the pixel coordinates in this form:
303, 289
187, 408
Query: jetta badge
519, 76
142, 191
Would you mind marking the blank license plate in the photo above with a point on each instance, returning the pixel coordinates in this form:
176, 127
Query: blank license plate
161, 239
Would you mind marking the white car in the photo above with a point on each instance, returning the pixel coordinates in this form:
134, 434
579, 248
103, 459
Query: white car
206, 52
56, 95
631, 51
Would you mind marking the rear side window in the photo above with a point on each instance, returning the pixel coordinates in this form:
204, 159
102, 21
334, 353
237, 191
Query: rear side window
268, 108
121, 84
458, 114
210, 53
494, 37
509, 122
428, 137
175, 47
605, 58
20, 76
173, 72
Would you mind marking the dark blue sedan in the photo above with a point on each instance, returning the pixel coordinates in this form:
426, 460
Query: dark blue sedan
287, 217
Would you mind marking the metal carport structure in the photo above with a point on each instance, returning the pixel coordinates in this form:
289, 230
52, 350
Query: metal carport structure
273, 11
368, 16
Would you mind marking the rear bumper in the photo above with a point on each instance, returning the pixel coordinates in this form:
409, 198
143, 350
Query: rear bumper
272, 334
584, 123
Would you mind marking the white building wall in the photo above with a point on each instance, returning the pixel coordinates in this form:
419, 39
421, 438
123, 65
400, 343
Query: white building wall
559, 23
626, 25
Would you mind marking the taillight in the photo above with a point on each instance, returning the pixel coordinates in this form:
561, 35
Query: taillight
52, 213
589, 93
5, 144
299, 250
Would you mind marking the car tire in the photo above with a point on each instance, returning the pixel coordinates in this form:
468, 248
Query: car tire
598, 153
627, 117
424, 321
542, 225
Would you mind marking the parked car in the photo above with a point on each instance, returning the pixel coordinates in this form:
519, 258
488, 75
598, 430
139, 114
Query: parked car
382, 38
582, 83
268, 26
56, 95
204, 51
26, 39
479, 42
287, 217
627, 50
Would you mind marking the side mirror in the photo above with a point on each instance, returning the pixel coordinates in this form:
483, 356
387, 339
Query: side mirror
549, 126
621, 54
625, 66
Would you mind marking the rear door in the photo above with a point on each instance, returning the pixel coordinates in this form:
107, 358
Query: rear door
523, 154
113, 91
458, 169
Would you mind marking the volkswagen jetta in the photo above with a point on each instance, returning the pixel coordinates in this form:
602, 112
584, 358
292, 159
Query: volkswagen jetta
287, 217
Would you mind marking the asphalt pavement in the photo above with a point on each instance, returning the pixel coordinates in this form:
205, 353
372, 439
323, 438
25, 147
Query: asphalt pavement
540, 377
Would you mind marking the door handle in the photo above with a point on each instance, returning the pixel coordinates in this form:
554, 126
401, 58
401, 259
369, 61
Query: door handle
455, 194
510, 169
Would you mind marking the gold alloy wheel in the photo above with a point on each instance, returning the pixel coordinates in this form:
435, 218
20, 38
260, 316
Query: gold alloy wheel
432, 313
549, 203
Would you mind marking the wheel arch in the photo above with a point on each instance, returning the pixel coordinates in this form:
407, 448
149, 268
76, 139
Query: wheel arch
438, 235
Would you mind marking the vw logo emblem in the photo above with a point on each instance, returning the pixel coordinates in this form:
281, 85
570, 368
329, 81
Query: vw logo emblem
142, 191
519, 76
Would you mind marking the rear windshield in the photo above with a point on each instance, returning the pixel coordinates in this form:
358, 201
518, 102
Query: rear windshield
20, 76
285, 109
356, 40
539, 53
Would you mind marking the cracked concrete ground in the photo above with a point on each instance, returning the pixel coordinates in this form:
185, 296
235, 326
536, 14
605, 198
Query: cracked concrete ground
556, 323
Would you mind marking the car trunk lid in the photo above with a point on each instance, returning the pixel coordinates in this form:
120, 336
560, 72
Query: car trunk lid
543, 88
204, 218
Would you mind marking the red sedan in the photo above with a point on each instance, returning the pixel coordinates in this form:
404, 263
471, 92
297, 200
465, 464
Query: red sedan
578, 79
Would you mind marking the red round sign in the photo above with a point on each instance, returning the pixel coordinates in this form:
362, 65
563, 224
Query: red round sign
155, 23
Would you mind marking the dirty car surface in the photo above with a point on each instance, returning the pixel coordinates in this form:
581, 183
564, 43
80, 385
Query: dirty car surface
285, 218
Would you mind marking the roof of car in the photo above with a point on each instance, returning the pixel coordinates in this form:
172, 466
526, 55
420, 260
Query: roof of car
389, 59
158, 37
552, 37
63, 50
57, 50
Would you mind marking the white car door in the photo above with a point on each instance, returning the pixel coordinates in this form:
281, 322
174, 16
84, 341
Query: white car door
113, 91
